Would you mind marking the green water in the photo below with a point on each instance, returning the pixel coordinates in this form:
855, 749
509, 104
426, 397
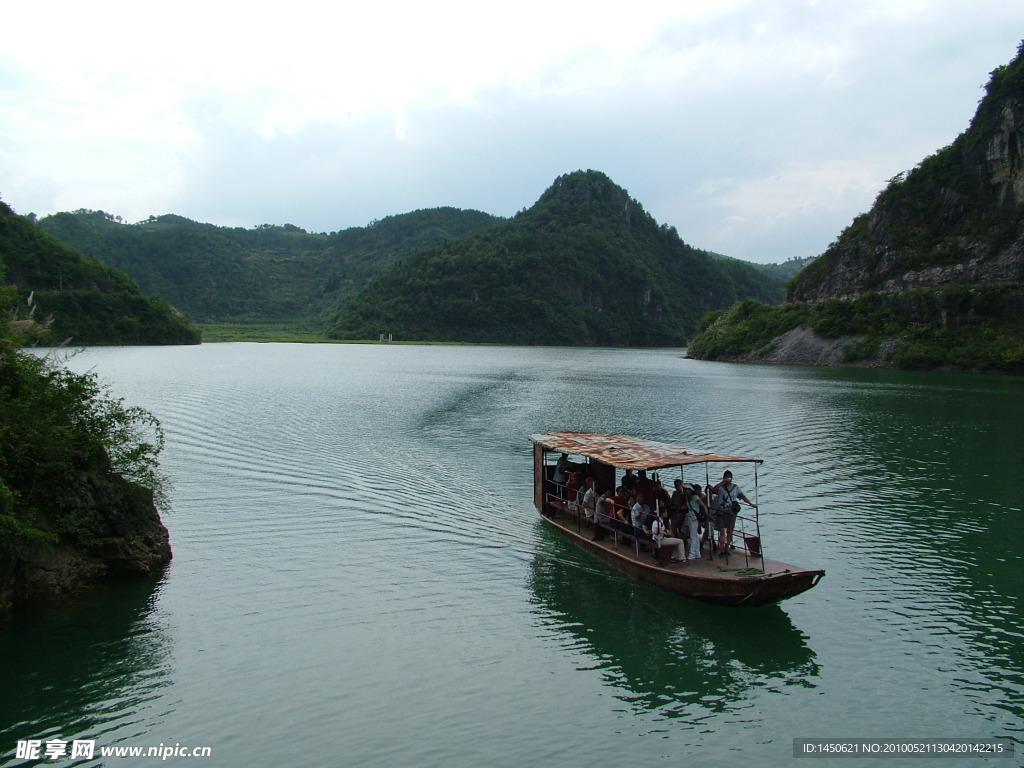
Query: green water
360, 577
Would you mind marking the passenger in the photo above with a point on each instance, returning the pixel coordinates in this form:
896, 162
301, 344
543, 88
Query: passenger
561, 474
572, 489
727, 504
629, 482
641, 517
602, 512
619, 510
660, 495
627, 514
645, 485
659, 532
677, 508
696, 511
589, 498
602, 505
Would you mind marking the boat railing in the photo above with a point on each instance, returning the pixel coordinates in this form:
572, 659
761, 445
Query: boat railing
746, 541
574, 512
620, 532
746, 538
559, 504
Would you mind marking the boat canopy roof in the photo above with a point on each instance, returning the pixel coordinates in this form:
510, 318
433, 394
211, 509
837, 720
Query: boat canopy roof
627, 452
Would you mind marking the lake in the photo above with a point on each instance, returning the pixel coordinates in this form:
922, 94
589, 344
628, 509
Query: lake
360, 578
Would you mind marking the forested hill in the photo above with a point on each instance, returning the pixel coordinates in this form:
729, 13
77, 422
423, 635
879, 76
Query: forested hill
585, 265
91, 302
269, 273
931, 277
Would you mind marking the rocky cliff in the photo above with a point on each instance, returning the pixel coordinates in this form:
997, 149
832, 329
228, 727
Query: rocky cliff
955, 219
931, 277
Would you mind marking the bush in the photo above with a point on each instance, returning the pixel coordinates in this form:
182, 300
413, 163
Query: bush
61, 434
964, 327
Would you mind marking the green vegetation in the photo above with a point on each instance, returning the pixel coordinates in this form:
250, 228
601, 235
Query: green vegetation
776, 272
91, 302
785, 271
277, 275
285, 333
963, 327
586, 265
63, 443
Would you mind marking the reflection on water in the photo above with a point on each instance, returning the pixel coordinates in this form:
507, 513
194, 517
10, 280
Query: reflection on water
671, 656
912, 483
84, 667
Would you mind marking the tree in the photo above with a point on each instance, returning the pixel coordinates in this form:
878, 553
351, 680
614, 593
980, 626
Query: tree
63, 436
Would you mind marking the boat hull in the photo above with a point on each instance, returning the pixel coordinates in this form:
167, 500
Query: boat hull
727, 581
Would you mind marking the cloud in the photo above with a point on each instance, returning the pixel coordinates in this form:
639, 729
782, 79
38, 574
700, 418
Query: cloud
769, 216
757, 129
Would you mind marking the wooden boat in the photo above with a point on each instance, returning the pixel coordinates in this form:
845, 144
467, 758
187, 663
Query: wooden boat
742, 577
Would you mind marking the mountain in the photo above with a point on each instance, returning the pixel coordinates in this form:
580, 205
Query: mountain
931, 277
788, 269
91, 302
601, 250
269, 273
585, 265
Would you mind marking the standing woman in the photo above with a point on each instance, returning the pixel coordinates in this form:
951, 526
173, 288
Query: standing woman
678, 507
691, 520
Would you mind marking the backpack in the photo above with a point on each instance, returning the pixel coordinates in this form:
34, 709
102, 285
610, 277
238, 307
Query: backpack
735, 506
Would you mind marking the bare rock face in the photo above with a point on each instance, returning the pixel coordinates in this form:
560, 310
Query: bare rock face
125, 538
804, 346
1003, 153
1005, 267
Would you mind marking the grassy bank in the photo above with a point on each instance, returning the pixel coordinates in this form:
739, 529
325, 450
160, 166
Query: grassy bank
260, 332
214, 333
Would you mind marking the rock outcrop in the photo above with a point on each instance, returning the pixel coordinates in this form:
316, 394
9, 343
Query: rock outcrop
804, 346
126, 538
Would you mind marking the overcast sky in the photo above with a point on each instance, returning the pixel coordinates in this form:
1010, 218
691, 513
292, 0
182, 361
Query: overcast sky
757, 129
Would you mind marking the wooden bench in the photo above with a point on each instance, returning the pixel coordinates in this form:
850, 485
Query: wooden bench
562, 507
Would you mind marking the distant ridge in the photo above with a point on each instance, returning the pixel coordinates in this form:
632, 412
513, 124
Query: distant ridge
91, 302
585, 265
266, 274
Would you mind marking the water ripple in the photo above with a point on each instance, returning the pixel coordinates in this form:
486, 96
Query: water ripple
356, 553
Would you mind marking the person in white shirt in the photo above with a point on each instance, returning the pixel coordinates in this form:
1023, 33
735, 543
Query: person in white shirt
640, 514
692, 504
659, 532
589, 499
